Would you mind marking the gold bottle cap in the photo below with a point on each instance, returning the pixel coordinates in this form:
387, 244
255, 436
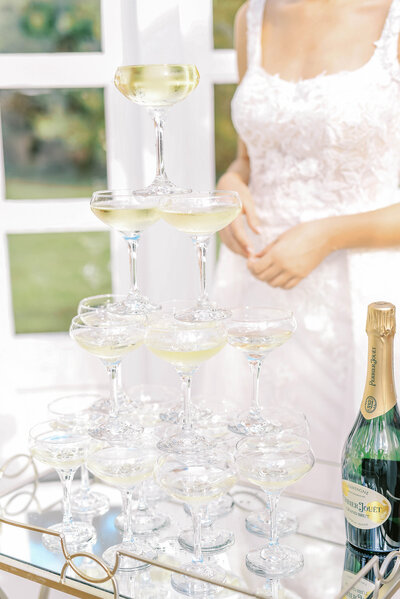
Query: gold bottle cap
381, 318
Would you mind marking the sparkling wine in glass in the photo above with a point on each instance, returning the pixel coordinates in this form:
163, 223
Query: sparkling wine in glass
256, 331
110, 340
65, 450
124, 468
75, 412
157, 87
129, 214
273, 462
201, 215
186, 346
197, 479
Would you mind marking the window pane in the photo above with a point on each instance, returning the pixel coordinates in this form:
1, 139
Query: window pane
224, 12
51, 273
225, 135
54, 142
50, 26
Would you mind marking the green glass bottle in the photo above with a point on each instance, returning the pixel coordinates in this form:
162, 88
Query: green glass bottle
371, 455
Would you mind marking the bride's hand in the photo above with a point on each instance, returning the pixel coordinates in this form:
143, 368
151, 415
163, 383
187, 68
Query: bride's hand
293, 255
234, 235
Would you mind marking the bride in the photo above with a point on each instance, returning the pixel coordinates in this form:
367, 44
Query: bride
317, 111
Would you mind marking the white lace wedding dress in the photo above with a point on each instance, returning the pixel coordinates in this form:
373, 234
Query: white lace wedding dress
324, 146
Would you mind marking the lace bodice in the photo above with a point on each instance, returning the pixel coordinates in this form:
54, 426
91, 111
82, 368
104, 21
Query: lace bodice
332, 141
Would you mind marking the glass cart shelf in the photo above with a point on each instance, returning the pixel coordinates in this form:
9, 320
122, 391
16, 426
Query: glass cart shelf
35, 504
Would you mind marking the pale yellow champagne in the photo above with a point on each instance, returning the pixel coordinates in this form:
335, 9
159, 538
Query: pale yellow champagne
126, 219
157, 85
270, 476
201, 220
124, 475
68, 458
257, 343
105, 345
186, 359
197, 485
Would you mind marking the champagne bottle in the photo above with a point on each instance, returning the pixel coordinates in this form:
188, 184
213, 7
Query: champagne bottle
371, 455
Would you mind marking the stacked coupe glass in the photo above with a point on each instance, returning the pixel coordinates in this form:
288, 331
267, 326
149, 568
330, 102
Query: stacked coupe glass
127, 439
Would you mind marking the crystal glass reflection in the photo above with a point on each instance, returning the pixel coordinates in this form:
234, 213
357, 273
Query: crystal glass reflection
124, 468
196, 479
129, 214
109, 339
66, 451
75, 412
273, 462
157, 87
185, 346
256, 332
201, 215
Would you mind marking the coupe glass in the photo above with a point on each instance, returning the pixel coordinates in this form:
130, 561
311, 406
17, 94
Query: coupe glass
157, 87
273, 462
129, 214
201, 215
185, 346
197, 479
65, 450
109, 339
124, 468
75, 412
256, 332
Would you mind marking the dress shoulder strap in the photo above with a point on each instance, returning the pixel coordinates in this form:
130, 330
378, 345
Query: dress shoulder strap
388, 43
255, 12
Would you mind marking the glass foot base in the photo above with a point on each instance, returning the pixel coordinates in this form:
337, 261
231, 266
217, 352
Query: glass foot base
174, 414
183, 443
77, 536
215, 541
161, 187
251, 423
203, 314
89, 503
129, 563
258, 523
275, 562
125, 405
197, 588
116, 431
135, 306
144, 522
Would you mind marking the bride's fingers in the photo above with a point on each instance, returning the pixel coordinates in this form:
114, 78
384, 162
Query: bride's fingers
291, 283
259, 265
238, 233
280, 280
251, 215
230, 242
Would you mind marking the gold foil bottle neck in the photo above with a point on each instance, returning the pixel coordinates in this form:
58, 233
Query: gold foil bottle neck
381, 318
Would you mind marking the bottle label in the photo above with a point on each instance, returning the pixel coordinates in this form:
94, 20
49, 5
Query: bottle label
362, 588
363, 507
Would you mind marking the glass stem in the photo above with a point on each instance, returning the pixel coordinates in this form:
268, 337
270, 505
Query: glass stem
85, 485
142, 503
272, 588
186, 380
126, 510
196, 517
159, 122
66, 477
201, 244
272, 504
132, 251
255, 367
113, 373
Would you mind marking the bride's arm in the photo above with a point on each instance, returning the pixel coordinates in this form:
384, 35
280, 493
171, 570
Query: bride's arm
295, 253
237, 176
